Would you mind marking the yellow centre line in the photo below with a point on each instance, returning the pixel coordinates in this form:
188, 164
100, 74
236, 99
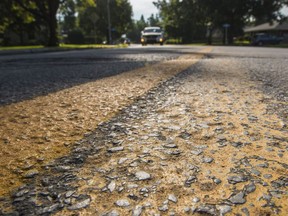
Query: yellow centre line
37, 131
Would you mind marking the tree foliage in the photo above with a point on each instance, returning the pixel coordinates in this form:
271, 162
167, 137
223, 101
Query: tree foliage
94, 19
29, 14
186, 20
135, 32
154, 20
45, 11
67, 12
15, 19
190, 19
89, 16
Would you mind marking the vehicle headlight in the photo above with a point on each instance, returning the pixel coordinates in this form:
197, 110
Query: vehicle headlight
161, 39
142, 40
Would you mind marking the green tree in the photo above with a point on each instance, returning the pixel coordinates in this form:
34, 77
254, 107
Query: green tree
67, 11
141, 24
44, 14
238, 13
170, 15
182, 20
135, 32
5, 18
94, 19
15, 19
189, 19
265, 11
154, 20
45, 11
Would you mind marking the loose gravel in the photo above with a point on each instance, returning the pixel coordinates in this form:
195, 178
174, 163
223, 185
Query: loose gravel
200, 143
34, 132
205, 142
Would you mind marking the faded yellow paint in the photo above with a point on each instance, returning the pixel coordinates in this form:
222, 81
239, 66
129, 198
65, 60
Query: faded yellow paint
34, 132
220, 96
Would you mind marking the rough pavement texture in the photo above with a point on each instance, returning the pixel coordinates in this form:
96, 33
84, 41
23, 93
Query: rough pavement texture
34, 132
273, 74
32, 75
200, 143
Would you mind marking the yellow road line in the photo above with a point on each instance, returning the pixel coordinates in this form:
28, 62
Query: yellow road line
36, 131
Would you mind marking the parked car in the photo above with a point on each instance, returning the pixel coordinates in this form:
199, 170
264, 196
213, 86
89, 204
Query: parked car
264, 39
152, 35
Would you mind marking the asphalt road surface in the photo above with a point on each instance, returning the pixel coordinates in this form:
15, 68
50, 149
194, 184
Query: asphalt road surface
28, 75
154, 130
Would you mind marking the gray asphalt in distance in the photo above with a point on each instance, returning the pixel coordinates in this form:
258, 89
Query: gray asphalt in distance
26, 76
267, 65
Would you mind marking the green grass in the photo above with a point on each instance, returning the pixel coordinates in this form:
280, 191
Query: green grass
90, 46
242, 42
103, 46
64, 46
20, 47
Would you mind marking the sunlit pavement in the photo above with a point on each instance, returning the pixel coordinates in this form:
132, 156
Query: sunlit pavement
207, 140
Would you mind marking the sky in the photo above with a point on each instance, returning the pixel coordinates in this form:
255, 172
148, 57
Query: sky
144, 7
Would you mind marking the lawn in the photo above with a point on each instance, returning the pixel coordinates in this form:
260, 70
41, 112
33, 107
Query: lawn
20, 47
63, 46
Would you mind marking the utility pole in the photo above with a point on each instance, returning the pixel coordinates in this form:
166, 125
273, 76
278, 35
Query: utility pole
109, 23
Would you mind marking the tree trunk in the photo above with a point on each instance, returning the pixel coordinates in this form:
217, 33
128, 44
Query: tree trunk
53, 6
53, 39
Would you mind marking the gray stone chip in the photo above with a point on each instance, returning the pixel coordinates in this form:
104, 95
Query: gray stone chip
172, 145
137, 211
250, 188
163, 208
224, 209
207, 160
80, 205
122, 203
197, 152
190, 180
239, 198
206, 209
31, 173
112, 185
112, 213
172, 198
50, 209
141, 175
237, 179
116, 149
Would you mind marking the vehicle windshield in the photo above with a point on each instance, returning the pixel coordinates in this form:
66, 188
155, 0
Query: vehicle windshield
152, 30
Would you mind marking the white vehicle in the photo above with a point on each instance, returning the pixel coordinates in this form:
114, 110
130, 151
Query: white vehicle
152, 35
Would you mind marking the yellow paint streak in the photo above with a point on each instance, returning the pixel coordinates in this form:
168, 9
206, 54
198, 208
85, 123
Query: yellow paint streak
36, 131
220, 94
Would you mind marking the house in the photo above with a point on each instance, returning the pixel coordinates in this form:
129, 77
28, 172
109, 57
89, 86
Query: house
274, 28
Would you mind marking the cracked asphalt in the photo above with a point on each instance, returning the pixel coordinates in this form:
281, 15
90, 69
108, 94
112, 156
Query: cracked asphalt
191, 130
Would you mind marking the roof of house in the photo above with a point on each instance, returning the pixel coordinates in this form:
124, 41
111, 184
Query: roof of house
275, 26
